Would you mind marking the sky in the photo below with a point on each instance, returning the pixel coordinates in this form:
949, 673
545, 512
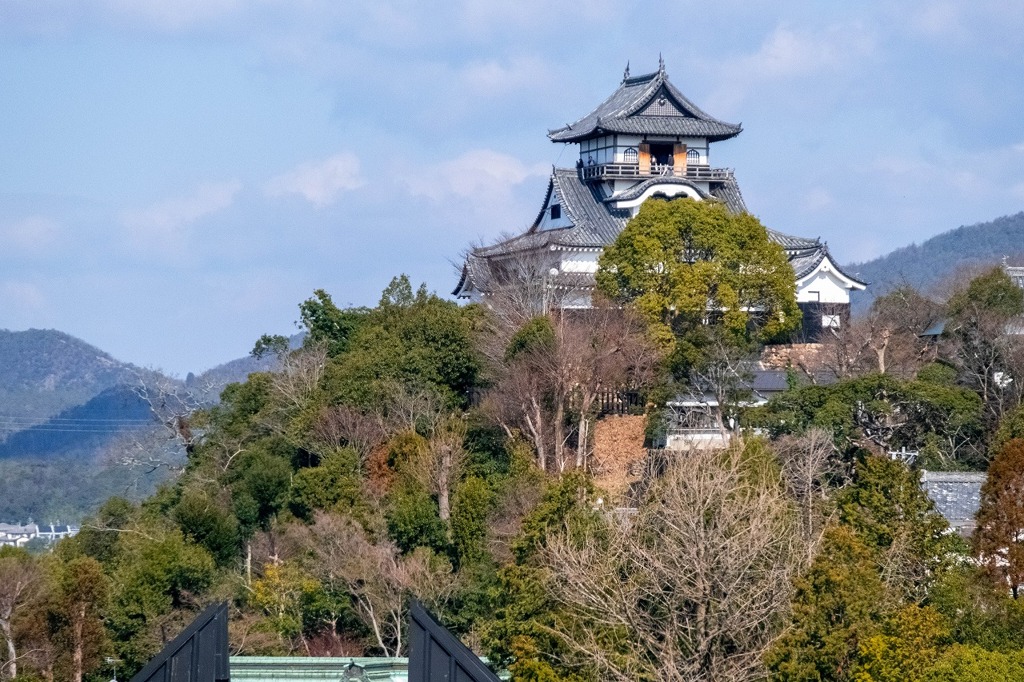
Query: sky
176, 176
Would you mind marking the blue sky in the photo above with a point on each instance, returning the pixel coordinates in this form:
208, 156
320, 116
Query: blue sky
179, 174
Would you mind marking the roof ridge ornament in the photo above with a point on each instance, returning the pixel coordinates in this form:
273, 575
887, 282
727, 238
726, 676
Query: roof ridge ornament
625, 74
661, 64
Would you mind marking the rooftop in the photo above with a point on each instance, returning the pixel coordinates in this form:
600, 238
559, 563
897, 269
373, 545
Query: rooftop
647, 105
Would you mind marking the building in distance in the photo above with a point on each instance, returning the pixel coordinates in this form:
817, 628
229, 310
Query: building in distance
645, 140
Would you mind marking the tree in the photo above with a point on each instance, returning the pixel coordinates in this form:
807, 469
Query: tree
894, 518
694, 586
838, 604
378, 577
20, 578
886, 339
990, 360
82, 591
326, 324
1000, 518
808, 462
549, 372
906, 649
683, 262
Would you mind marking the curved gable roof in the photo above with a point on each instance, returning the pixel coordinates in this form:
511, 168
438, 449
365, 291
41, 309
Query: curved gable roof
629, 110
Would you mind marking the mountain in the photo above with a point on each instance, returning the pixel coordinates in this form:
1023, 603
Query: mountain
44, 372
83, 429
925, 265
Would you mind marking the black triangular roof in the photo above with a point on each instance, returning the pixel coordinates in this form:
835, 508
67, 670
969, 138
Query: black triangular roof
647, 105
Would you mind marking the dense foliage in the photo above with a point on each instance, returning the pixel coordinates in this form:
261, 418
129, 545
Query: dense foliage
423, 449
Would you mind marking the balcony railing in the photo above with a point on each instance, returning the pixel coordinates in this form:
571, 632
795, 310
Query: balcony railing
615, 171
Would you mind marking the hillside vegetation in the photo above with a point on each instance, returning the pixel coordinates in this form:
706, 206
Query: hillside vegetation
420, 449
924, 265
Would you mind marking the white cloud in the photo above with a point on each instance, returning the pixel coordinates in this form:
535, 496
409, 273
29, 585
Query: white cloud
320, 182
22, 297
481, 175
493, 77
164, 225
31, 234
788, 54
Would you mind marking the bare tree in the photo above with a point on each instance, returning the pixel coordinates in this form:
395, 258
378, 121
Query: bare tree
807, 463
693, 588
20, 578
547, 387
378, 577
299, 375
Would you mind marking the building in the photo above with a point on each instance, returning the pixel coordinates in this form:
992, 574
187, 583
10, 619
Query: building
957, 496
16, 535
647, 139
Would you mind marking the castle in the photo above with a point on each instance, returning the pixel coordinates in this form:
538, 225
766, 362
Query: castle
647, 139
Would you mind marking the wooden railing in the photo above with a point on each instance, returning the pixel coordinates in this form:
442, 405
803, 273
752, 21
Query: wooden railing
612, 171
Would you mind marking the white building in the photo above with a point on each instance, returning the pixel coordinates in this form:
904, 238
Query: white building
647, 139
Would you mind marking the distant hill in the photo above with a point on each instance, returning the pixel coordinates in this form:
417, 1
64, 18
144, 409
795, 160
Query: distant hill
83, 429
924, 265
44, 371
69, 411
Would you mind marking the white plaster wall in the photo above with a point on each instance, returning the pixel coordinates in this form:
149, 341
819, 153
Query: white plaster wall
667, 190
579, 261
546, 223
830, 287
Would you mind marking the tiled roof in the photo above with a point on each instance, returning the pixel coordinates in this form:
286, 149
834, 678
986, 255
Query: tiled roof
956, 494
647, 104
596, 223
804, 260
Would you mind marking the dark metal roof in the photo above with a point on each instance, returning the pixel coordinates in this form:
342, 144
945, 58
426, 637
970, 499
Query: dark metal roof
647, 105
437, 654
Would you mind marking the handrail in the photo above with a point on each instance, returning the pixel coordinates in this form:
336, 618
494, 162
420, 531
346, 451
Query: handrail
632, 170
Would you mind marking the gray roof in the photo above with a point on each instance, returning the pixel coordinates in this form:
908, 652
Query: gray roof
596, 223
805, 258
650, 105
956, 494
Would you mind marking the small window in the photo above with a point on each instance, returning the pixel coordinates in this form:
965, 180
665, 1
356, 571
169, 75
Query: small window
629, 156
692, 156
830, 321
813, 296
556, 211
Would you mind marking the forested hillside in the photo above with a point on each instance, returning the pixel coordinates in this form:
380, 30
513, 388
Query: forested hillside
423, 449
44, 371
923, 265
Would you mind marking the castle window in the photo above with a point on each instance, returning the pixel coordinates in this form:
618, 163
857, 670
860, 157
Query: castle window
556, 211
830, 321
692, 156
629, 156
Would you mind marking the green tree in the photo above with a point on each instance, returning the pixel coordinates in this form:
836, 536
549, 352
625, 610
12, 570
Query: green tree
157, 571
681, 261
472, 505
838, 605
993, 292
906, 649
328, 324
973, 663
893, 516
